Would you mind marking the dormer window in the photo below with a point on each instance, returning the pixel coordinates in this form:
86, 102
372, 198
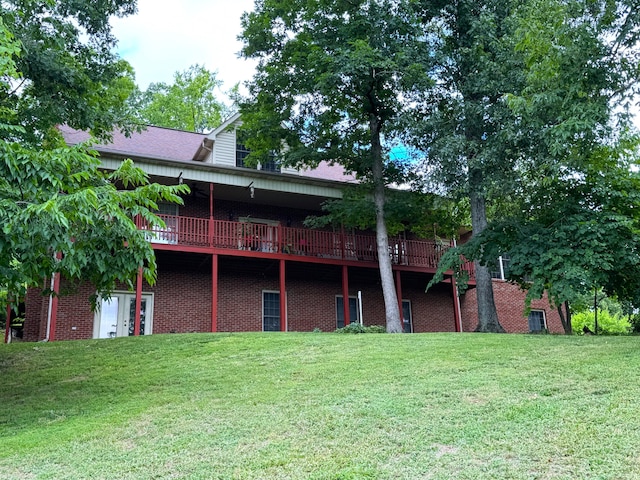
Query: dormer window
242, 152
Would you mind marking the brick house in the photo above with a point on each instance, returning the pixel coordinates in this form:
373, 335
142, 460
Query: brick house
238, 257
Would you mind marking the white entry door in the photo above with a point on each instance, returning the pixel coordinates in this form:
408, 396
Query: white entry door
116, 316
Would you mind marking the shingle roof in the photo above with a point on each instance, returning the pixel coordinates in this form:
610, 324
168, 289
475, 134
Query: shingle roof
179, 145
154, 142
326, 171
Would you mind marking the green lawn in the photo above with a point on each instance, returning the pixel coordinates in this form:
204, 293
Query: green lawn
322, 406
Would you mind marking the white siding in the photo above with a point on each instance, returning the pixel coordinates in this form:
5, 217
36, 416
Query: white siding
292, 171
224, 148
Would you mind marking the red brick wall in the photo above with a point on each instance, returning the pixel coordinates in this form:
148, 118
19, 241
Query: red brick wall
35, 315
510, 303
182, 300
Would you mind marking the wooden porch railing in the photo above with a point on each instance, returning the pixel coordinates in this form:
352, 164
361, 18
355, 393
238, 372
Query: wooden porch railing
195, 232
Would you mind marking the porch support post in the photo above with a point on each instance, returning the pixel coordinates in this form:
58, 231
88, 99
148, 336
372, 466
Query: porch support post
456, 305
345, 294
136, 322
211, 214
399, 294
214, 292
7, 325
55, 288
283, 298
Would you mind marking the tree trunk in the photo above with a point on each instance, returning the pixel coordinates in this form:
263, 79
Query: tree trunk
394, 324
565, 320
487, 314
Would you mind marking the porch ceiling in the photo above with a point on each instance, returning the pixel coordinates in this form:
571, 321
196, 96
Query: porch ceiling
260, 196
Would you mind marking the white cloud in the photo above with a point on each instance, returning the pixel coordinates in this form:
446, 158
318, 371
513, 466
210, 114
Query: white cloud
166, 36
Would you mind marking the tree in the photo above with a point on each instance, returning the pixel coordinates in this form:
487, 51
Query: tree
58, 211
577, 234
573, 228
332, 82
190, 103
544, 83
470, 135
69, 71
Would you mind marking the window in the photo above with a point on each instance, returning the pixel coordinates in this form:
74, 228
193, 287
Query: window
501, 268
242, 152
271, 311
271, 166
407, 321
353, 311
537, 321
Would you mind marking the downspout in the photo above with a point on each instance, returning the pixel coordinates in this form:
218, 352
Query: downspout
46, 338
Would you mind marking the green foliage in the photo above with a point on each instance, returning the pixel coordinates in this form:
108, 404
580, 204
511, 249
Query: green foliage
190, 103
567, 216
608, 323
334, 82
574, 235
325, 71
426, 215
59, 203
58, 211
70, 72
359, 328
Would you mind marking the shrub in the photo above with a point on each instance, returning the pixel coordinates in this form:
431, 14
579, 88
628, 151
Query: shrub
376, 329
358, 328
608, 324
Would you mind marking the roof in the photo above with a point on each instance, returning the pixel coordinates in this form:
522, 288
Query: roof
179, 145
154, 142
327, 171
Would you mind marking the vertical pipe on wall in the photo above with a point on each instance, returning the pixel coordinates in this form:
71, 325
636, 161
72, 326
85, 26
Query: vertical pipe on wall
283, 298
55, 289
456, 305
214, 293
345, 294
136, 321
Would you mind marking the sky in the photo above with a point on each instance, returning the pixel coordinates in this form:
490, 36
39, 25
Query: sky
167, 36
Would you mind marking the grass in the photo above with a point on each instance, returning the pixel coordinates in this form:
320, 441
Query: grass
322, 406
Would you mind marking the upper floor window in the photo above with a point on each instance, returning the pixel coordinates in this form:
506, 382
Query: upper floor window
242, 152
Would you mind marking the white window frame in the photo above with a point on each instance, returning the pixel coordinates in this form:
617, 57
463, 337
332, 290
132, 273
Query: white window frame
123, 310
544, 320
354, 297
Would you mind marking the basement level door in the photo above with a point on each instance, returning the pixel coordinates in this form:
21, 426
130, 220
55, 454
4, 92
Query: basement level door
116, 316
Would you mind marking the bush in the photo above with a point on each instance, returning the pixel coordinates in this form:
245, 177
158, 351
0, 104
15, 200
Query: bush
358, 328
608, 324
